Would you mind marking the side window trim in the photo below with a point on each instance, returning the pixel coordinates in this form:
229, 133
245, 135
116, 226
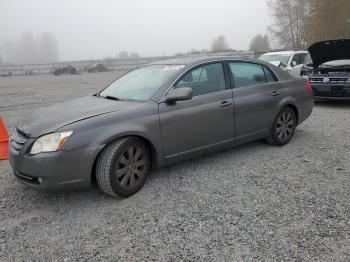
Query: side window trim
200, 76
264, 70
227, 75
230, 75
274, 76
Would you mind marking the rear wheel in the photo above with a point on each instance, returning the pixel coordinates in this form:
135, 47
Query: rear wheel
122, 167
283, 127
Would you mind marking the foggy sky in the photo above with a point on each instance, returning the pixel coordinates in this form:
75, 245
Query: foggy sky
98, 28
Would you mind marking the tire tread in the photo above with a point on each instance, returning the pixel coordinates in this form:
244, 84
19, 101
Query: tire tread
103, 166
271, 139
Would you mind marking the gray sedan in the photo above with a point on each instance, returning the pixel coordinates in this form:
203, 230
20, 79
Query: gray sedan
155, 115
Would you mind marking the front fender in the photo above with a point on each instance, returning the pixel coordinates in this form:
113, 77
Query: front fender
137, 131
99, 131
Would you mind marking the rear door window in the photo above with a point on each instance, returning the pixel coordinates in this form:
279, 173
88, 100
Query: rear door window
249, 74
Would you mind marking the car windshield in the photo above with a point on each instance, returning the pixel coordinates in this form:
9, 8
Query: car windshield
308, 60
142, 83
275, 57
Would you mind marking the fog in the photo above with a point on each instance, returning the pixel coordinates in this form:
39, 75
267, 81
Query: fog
86, 29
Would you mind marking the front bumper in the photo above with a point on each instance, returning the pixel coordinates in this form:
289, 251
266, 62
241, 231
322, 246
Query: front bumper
331, 92
55, 171
334, 98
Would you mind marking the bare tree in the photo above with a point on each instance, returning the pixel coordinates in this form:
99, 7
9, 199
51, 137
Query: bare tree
134, 55
123, 55
329, 19
259, 43
30, 49
219, 44
47, 44
194, 52
290, 18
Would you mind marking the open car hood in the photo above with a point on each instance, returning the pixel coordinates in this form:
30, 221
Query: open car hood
330, 50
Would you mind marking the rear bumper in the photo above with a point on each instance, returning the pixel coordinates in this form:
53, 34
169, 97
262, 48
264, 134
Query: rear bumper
56, 171
305, 104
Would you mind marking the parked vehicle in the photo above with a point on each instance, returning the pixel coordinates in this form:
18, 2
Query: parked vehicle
66, 70
96, 68
155, 115
328, 69
290, 61
8, 73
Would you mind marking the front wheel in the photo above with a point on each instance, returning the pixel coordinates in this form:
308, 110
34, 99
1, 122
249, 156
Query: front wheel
283, 128
122, 167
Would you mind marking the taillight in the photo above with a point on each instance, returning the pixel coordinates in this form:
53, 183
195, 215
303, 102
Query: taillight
308, 86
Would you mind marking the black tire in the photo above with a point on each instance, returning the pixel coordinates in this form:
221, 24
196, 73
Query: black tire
122, 167
283, 127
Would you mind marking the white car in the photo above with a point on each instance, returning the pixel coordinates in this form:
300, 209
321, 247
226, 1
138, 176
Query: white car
290, 61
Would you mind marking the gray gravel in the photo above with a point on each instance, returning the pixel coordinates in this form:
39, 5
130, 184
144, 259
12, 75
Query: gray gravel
252, 203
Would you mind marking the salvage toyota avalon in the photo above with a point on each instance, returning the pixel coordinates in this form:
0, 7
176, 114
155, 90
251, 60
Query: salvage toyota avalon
155, 115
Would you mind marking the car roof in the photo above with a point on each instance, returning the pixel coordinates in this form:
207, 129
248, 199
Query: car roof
193, 60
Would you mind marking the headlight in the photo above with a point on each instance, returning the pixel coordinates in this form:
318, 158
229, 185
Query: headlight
50, 143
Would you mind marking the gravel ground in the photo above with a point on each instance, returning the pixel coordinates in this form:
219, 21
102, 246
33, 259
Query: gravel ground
252, 203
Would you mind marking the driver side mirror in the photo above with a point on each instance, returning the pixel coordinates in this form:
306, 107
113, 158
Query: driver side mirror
294, 63
179, 94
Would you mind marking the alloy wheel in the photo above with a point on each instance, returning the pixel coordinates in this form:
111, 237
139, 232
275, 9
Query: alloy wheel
285, 126
131, 167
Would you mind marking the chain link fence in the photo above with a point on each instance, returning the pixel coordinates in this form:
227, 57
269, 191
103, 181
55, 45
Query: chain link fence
112, 64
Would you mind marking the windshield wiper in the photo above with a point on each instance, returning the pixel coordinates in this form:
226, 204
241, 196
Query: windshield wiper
113, 98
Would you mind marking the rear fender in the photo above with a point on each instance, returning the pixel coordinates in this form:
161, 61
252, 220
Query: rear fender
287, 101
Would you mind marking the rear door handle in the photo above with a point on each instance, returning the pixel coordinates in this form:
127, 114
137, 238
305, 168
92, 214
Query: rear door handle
275, 93
225, 103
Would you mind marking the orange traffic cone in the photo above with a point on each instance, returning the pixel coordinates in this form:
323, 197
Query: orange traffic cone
4, 141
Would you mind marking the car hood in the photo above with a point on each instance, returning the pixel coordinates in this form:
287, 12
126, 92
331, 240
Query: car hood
48, 119
331, 50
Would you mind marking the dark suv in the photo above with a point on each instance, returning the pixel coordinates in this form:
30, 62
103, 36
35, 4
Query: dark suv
328, 69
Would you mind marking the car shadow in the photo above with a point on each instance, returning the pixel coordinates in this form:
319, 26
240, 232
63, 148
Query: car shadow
333, 104
177, 168
173, 172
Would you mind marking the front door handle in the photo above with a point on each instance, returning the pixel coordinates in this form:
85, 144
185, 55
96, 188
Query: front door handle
275, 93
225, 103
